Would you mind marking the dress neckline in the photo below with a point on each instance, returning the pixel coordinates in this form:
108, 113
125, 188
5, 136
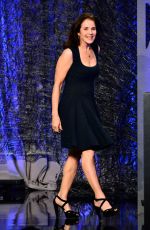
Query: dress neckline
82, 62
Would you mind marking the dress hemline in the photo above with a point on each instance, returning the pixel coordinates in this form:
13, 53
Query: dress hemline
90, 147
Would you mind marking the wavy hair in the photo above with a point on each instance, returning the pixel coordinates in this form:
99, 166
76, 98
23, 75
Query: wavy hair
73, 39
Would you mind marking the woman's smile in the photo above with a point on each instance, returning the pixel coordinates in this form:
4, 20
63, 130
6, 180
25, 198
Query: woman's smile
87, 32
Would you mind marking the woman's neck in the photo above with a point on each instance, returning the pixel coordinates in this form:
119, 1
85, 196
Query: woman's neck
85, 46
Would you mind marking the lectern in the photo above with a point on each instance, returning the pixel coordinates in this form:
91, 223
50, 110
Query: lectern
146, 158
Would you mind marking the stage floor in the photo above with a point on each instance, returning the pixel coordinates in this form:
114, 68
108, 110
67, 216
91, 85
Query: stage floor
24, 209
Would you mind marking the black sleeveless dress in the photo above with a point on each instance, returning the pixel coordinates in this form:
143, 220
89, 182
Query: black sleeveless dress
80, 119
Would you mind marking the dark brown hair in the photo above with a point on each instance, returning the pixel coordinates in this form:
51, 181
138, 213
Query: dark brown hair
73, 39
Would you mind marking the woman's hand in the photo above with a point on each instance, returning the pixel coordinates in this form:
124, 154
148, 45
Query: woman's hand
56, 124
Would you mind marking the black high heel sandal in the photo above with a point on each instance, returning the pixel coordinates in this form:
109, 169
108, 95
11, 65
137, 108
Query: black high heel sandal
69, 222
107, 212
69, 214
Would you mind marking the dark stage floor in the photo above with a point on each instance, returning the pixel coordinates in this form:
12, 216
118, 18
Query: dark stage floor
24, 209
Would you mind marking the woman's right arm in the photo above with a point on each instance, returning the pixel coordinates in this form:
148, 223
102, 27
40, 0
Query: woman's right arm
63, 65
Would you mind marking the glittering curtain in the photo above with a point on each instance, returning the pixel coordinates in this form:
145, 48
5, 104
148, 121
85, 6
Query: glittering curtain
31, 38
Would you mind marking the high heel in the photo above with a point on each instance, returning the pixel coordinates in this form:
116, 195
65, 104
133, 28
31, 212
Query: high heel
68, 222
107, 212
69, 214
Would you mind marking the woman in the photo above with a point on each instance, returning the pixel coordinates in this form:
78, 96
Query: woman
76, 115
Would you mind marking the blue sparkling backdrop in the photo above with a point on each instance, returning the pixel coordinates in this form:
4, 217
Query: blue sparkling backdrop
31, 39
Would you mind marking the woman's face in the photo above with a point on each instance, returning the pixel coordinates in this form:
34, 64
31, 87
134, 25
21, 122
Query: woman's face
87, 32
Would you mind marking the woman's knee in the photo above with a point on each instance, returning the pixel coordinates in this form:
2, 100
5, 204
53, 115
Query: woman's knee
70, 166
87, 154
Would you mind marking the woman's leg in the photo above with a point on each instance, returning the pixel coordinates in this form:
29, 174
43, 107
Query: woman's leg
69, 173
88, 166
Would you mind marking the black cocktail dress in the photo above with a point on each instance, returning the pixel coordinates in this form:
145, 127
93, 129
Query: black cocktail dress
80, 119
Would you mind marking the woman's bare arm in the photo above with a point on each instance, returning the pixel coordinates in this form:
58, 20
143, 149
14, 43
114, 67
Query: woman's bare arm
63, 65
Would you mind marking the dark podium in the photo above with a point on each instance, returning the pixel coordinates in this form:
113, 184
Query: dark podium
147, 159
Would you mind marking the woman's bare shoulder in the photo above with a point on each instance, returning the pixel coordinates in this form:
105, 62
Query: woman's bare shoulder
66, 58
67, 52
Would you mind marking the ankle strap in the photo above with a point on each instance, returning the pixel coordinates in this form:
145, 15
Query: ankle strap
101, 199
65, 201
60, 198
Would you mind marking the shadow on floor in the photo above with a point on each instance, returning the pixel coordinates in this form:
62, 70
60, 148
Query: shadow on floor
36, 211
